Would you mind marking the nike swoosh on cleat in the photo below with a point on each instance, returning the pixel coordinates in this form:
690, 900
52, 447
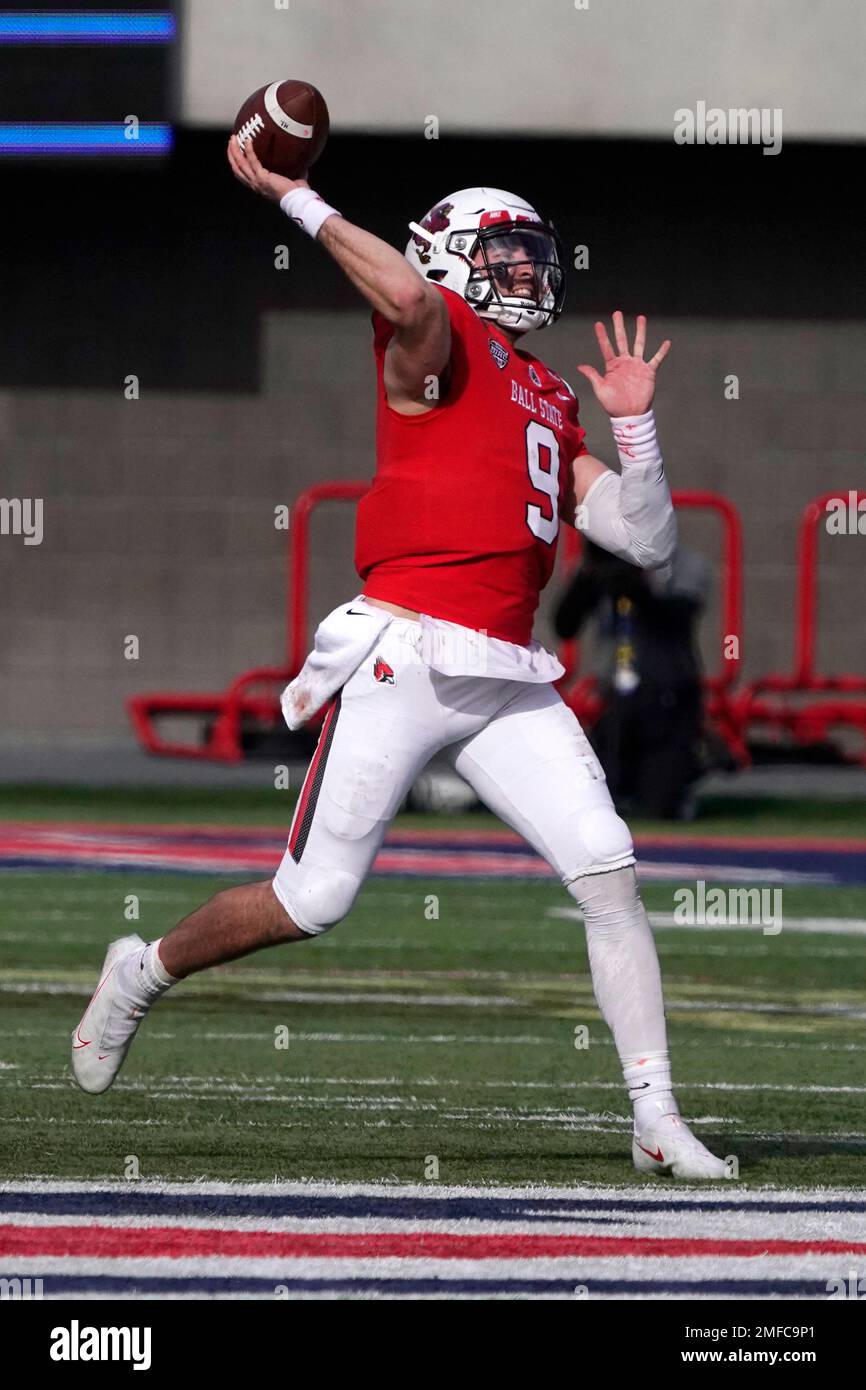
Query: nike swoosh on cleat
81, 1041
658, 1155
641, 1087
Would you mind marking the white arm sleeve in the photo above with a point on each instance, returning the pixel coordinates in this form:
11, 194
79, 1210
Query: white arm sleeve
631, 515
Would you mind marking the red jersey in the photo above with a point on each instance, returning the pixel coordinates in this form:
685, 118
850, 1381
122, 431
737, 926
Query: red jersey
462, 519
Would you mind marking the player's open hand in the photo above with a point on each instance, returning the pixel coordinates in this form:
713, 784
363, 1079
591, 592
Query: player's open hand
247, 167
629, 383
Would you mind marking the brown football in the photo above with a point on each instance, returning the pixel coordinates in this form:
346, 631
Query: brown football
288, 124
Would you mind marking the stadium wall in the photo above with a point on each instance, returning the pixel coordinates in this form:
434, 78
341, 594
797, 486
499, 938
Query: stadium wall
555, 66
255, 382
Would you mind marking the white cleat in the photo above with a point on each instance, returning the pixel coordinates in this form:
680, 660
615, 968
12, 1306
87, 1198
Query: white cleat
668, 1148
102, 1038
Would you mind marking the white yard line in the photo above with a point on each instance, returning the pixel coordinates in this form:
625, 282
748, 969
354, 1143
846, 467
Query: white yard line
577, 993
449, 1039
265, 1084
843, 926
581, 1268
296, 996
548, 1218
621, 1128
650, 1191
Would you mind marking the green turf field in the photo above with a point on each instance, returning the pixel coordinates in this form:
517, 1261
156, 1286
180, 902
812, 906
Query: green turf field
413, 1035
245, 806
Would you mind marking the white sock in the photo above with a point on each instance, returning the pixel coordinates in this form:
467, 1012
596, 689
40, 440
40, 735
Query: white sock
627, 984
142, 977
648, 1079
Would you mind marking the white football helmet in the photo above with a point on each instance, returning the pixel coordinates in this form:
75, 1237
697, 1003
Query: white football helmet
492, 248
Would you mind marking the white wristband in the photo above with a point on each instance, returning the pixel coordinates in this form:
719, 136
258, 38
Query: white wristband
635, 437
307, 209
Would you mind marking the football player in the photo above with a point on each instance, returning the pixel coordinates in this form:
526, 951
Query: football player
480, 456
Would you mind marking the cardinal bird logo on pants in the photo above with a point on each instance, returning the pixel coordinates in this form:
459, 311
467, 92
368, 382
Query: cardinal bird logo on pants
382, 671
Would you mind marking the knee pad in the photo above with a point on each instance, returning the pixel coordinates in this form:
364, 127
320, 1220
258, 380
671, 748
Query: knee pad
603, 841
316, 898
606, 835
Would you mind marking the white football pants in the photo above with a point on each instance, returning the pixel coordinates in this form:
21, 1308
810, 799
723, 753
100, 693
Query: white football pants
516, 743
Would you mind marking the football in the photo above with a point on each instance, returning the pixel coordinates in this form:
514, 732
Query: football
288, 124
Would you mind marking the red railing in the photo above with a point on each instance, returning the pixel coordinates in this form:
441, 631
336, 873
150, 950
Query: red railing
298, 636
786, 701
777, 700
224, 711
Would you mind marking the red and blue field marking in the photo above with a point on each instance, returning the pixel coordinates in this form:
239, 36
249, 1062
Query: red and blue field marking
361, 1241
109, 846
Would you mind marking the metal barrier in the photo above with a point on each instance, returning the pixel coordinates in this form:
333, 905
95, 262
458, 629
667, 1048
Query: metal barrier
255, 694
785, 701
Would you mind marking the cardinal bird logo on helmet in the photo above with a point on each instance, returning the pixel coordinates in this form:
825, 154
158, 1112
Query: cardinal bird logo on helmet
382, 671
437, 220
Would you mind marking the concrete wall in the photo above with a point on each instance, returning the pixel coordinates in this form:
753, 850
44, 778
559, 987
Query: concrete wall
576, 66
158, 513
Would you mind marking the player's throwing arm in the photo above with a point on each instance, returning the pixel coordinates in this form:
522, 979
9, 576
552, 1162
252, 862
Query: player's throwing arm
422, 340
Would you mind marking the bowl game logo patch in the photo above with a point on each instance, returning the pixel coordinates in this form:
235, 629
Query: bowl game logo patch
498, 353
